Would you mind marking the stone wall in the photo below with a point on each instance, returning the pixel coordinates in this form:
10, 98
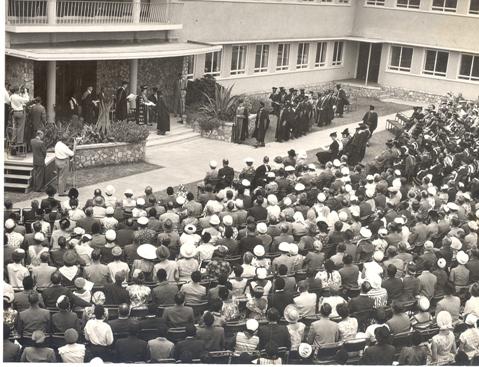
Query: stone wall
161, 73
223, 133
110, 73
93, 155
19, 72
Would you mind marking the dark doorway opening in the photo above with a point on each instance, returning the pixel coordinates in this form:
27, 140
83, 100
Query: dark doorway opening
374, 61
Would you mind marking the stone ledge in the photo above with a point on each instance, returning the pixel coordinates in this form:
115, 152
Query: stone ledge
104, 154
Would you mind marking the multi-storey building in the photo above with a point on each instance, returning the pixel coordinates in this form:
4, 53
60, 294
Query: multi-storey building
58, 47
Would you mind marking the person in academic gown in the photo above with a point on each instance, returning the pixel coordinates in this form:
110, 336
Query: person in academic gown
261, 125
121, 102
163, 115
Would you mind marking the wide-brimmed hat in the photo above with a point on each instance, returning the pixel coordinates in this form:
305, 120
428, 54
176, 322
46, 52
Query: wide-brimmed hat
143, 221
441, 263
293, 249
71, 336
190, 229
261, 273
291, 314
365, 233
109, 190
305, 350
110, 235
462, 257
259, 250
423, 303
188, 250
146, 251
38, 336
262, 228
283, 247
252, 325
228, 220
214, 220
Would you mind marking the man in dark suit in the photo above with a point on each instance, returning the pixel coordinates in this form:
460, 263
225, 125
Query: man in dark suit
39, 155
38, 115
194, 346
88, 106
131, 348
262, 124
115, 293
122, 323
261, 171
280, 299
121, 102
273, 331
226, 174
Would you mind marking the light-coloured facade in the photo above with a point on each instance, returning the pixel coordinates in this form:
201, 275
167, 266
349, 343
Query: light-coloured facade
421, 25
425, 45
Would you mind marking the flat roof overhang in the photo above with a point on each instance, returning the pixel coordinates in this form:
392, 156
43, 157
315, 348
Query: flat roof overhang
105, 51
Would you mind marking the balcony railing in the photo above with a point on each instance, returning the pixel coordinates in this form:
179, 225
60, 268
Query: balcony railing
27, 12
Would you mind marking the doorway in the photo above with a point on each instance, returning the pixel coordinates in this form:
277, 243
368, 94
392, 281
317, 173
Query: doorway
374, 61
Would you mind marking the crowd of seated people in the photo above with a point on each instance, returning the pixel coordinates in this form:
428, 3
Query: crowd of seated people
288, 262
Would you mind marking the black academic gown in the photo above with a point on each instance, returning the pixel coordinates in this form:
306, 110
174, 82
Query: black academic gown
163, 115
121, 105
261, 125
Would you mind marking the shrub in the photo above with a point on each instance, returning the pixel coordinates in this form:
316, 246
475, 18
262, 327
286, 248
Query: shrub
128, 132
209, 124
222, 106
252, 102
198, 88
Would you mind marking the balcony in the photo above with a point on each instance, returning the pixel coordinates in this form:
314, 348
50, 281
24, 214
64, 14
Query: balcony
26, 16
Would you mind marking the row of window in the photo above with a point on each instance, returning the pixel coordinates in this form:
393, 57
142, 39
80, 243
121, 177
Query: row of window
262, 56
435, 63
437, 5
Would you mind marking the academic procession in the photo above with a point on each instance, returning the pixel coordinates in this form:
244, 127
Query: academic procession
361, 251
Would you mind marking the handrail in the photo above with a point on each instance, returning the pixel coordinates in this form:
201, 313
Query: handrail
91, 12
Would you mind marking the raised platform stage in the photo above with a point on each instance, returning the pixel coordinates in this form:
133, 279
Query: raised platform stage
18, 171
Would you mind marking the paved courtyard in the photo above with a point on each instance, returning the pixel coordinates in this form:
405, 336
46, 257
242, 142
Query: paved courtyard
187, 161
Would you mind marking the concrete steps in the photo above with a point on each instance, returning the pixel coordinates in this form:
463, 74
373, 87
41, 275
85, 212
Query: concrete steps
178, 134
17, 177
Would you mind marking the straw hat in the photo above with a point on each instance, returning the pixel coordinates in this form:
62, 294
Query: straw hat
259, 250
305, 350
262, 228
110, 235
261, 273
188, 250
190, 229
291, 314
146, 251
142, 221
228, 220
283, 247
252, 325
423, 303
214, 220
462, 257
365, 233
441, 263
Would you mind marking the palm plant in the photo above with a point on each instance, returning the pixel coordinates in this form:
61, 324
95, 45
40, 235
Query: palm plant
222, 106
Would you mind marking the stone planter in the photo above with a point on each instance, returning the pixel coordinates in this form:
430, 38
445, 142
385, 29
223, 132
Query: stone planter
223, 133
93, 155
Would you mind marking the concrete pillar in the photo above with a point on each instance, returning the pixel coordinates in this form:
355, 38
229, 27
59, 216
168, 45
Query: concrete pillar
51, 89
134, 76
52, 11
136, 10
6, 12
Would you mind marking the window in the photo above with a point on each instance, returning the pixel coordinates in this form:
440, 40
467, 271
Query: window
261, 60
469, 67
474, 7
238, 60
283, 57
321, 54
338, 53
436, 63
343, 1
213, 63
375, 2
303, 53
444, 5
190, 61
411, 4
326, 1
401, 58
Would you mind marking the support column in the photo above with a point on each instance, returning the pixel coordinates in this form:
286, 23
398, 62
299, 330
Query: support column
51, 89
134, 76
136, 10
369, 61
52, 11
